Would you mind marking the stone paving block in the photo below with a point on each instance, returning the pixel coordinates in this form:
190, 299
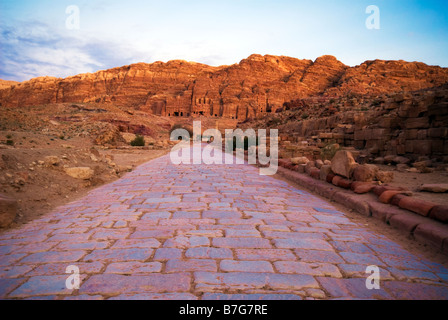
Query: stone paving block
242, 233
294, 235
156, 296
159, 234
405, 263
14, 271
83, 297
416, 291
250, 297
314, 269
156, 215
54, 257
8, 285
42, 285
352, 288
361, 258
302, 244
219, 214
167, 254
318, 256
114, 284
247, 280
202, 233
241, 243
186, 242
359, 271
90, 245
177, 265
136, 243
51, 269
351, 246
209, 253
407, 275
109, 234
265, 254
131, 254
245, 266
133, 267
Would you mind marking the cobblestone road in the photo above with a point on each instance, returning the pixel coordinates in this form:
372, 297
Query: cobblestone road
207, 232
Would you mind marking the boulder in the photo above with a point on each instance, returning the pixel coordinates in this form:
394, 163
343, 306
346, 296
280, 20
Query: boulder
389, 159
8, 211
384, 176
300, 160
397, 198
310, 165
439, 213
436, 188
401, 167
365, 172
343, 163
84, 173
344, 183
401, 160
422, 164
419, 206
386, 196
319, 163
362, 187
315, 173
324, 171
336, 180
51, 161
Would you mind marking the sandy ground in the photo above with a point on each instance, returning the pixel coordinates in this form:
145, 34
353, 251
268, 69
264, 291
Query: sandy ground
411, 181
39, 187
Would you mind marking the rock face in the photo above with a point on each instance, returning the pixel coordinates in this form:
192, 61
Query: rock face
249, 89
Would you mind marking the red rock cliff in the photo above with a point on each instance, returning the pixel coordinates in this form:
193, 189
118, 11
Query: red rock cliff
250, 88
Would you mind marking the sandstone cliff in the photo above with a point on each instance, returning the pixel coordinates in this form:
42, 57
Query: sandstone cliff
249, 89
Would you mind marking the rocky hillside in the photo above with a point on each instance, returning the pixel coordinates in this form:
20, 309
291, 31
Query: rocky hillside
249, 89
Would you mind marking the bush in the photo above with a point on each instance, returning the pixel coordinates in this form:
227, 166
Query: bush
9, 142
139, 141
328, 152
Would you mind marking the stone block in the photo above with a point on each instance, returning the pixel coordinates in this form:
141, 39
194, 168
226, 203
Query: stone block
416, 205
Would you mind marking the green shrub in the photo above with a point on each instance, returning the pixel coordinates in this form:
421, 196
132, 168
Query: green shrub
305, 116
139, 141
328, 152
10, 142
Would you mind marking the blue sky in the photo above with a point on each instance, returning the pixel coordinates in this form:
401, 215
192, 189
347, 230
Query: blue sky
34, 39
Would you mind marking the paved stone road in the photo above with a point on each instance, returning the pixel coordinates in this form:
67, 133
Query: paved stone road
207, 232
